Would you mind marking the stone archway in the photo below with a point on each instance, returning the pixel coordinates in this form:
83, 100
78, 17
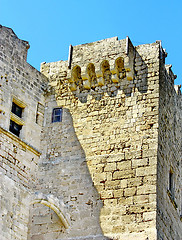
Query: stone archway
47, 212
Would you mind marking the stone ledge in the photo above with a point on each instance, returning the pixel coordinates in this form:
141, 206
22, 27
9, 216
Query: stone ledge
21, 142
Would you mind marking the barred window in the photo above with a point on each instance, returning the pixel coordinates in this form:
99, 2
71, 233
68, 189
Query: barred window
57, 115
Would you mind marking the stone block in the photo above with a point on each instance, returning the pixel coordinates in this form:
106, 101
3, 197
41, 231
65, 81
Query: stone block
130, 191
146, 189
124, 174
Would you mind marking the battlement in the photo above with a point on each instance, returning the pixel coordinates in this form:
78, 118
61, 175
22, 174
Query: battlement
104, 67
92, 78
116, 75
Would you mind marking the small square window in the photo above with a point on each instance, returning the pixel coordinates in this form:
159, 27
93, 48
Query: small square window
16, 110
57, 115
15, 128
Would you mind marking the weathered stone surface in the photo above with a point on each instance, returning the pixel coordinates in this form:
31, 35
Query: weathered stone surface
103, 170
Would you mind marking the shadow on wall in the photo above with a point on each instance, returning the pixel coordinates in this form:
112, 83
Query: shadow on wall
63, 171
169, 157
66, 204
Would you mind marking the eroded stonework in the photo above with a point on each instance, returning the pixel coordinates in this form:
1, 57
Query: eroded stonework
92, 147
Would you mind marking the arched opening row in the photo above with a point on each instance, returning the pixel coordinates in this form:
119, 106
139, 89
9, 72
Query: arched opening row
91, 79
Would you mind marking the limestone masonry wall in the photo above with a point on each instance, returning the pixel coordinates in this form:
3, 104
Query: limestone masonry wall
22, 85
169, 199
109, 166
116, 127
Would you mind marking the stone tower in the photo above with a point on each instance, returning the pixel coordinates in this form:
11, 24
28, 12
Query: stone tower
90, 147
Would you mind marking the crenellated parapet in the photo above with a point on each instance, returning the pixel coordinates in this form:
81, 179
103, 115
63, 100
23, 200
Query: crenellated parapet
90, 79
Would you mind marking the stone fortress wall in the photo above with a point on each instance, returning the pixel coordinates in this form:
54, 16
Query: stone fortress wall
111, 168
169, 157
23, 85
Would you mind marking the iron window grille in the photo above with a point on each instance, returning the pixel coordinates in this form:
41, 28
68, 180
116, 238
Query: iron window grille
57, 115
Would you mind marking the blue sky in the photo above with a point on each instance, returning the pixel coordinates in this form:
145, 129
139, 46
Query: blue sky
51, 26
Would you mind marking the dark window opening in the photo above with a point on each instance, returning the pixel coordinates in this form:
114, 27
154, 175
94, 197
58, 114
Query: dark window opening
37, 118
171, 183
171, 190
15, 128
16, 110
57, 115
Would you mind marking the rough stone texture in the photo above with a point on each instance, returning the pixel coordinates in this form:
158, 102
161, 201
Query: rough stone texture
169, 157
103, 171
116, 126
20, 82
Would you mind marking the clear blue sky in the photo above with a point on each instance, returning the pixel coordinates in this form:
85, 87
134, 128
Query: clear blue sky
51, 26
